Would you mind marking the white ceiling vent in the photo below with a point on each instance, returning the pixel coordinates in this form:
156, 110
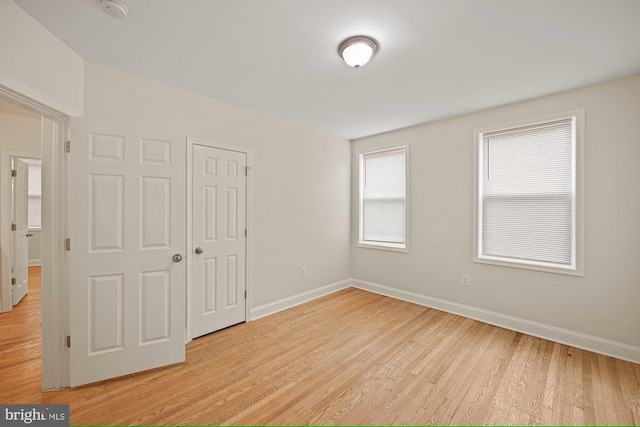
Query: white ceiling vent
114, 8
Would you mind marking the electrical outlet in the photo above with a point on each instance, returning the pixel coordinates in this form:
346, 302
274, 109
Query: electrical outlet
464, 281
303, 271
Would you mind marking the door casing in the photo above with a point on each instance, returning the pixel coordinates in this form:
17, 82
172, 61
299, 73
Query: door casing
249, 218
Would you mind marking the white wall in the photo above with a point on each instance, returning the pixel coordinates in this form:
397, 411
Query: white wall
35, 247
603, 303
19, 133
35, 63
301, 177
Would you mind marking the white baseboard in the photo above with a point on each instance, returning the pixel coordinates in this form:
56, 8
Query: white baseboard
540, 330
283, 304
33, 262
552, 333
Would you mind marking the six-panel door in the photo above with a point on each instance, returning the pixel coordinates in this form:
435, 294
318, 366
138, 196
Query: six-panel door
219, 241
127, 216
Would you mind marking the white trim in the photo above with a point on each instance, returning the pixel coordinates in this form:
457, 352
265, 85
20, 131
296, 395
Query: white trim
35, 99
540, 330
34, 262
396, 247
577, 267
249, 223
292, 301
55, 208
189, 240
33, 161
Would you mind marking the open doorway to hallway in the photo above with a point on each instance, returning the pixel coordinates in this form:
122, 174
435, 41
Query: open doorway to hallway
21, 140
29, 128
21, 147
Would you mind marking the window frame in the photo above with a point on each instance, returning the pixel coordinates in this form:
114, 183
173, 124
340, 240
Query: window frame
359, 242
577, 266
38, 163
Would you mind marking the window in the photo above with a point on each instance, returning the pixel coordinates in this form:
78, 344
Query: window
35, 194
527, 193
383, 199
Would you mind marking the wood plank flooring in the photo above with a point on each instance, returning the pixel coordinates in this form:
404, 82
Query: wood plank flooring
352, 357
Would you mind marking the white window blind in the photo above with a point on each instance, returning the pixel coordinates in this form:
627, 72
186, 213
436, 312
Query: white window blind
383, 197
35, 194
528, 194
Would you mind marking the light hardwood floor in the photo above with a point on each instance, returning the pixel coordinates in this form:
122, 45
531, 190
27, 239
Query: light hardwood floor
351, 357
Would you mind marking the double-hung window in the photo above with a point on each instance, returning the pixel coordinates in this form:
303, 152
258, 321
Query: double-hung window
528, 189
383, 198
34, 194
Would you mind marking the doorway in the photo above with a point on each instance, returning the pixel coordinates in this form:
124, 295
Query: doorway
32, 130
20, 146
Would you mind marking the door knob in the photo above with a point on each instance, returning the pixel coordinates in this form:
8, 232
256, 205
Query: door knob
177, 258
29, 234
199, 250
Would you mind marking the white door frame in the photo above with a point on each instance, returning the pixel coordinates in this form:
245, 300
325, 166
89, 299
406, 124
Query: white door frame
55, 323
190, 143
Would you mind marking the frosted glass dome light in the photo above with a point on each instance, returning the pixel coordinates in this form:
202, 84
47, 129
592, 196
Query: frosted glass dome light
358, 50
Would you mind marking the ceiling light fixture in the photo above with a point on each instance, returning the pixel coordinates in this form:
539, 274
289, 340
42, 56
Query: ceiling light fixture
358, 50
114, 8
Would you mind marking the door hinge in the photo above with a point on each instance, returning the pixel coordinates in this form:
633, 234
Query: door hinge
67, 244
13, 280
245, 294
67, 147
68, 341
13, 227
246, 171
14, 172
245, 232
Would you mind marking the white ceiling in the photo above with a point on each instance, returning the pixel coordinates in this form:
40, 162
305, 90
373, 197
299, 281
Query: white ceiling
437, 58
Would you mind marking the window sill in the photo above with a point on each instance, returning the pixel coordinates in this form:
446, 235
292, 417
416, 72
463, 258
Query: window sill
393, 247
544, 267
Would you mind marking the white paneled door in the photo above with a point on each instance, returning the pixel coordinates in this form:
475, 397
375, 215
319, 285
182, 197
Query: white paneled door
219, 239
20, 282
127, 229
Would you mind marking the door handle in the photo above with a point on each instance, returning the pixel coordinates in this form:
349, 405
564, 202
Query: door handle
29, 234
177, 258
199, 250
